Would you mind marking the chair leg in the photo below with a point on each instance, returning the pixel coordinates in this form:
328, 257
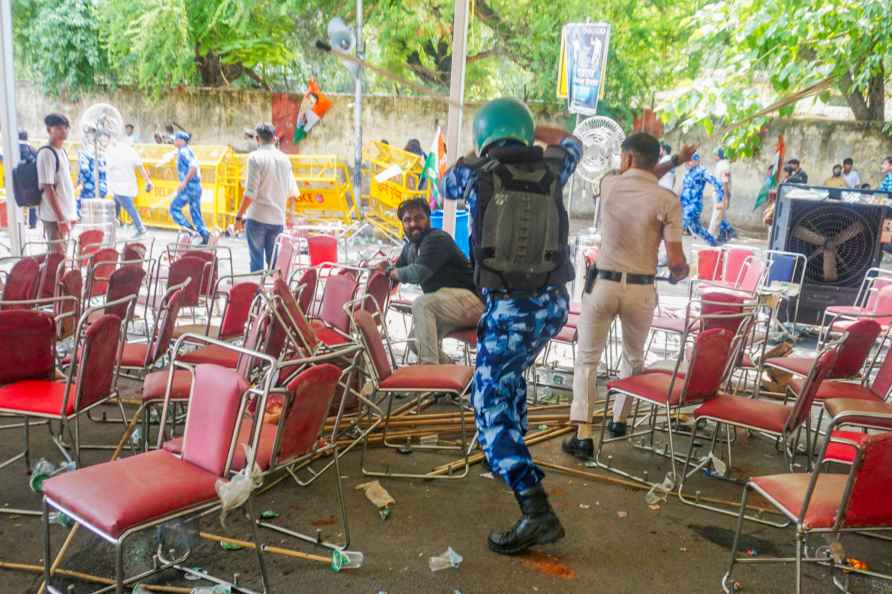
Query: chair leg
800, 538
47, 554
258, 548
729, 587
119, 567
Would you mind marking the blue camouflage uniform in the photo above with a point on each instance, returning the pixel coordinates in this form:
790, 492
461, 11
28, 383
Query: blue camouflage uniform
886, 184
514, 329
192, 194
86, 178
691, 197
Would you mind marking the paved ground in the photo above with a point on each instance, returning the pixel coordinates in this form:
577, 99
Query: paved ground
615, 542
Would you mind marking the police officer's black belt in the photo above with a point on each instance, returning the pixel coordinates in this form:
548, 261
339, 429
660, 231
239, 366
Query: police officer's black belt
632, 279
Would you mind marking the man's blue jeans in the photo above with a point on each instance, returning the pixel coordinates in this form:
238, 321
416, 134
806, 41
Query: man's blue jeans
261, 242
126, 202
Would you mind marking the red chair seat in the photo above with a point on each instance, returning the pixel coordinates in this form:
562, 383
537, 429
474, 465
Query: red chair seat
758, 414
467, 336
566, 334
788, 491
837, 406
155, 384
447, 378
116, 496
134, 354
837, 389
795, 365
668, 324
213, 354
37, 396
652, 386
843, 452
330, 337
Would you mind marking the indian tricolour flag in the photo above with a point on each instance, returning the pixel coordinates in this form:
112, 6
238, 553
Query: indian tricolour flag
774, 174
435, 166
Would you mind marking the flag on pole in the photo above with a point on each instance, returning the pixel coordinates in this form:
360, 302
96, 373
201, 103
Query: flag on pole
774, 174
435, 166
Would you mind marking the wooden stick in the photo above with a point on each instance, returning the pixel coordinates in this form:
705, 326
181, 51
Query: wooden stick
89, 578
266, 548
604, 478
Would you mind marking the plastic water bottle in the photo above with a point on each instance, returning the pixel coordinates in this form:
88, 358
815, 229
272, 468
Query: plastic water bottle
446, 560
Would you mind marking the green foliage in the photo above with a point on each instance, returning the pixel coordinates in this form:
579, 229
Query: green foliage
744, 54
59, 44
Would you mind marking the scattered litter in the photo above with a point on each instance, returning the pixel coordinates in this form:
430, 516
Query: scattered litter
346, 560
584, 506
384, 513
60, 519
377, 494
655, 507
44, 469
683, 549
718, 465
269, 514
432, 439
194, 577
751, 552
230, 546
448, 559
488, 475
235, 492
590, 464
622, 514
856, 564
542, 427
218, 589
660, 493
736, 587
405, 450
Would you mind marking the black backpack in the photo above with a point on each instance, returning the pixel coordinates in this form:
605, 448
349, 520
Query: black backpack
521, 228
25, 182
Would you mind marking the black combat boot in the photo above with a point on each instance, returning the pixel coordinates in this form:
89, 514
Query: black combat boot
538, 525
583, 449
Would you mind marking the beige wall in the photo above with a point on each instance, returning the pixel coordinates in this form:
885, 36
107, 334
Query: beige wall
217, 116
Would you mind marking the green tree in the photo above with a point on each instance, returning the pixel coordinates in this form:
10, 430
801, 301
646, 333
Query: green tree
58, 43
744, 54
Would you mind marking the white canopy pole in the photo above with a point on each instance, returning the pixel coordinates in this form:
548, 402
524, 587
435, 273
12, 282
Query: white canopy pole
9, 124
457, 96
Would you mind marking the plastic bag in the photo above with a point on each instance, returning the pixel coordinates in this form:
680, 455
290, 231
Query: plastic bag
234, 493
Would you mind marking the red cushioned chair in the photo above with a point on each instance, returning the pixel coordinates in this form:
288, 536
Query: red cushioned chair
237, 300
860, 416
452, 380
767, 417
88, 243
118, 499
284, 255
710, 264
882, 314
21, 283
826, 504
138, 358
98, 269
305, 289
669, 392
332, 327
52, 265
854, 350
323, 249
865, 303
376, 296
125, 282
30, 389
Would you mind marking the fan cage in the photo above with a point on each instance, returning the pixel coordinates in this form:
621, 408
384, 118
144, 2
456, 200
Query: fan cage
853, 258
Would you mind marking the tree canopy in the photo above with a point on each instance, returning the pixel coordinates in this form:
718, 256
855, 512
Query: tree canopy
722, 61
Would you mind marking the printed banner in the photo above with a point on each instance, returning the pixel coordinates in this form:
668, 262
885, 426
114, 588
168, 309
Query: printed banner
583, 65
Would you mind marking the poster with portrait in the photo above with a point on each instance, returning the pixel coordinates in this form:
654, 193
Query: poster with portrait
583, 65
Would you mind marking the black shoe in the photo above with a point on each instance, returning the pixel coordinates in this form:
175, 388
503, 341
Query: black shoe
581, 448
538, 525
616, 428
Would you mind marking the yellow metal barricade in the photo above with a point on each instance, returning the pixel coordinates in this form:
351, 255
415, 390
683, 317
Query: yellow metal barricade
394, 176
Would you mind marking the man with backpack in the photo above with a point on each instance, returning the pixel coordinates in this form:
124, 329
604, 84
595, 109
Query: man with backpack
57, 208
521, 263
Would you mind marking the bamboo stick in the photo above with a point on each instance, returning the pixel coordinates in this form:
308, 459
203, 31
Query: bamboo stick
89, 578
604, 478
266, 548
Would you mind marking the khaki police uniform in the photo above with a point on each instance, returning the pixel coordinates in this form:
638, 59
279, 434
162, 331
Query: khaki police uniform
636, 215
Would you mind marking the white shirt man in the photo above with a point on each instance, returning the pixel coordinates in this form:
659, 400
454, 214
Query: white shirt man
852, 177
269, 185
121, 163
57, 208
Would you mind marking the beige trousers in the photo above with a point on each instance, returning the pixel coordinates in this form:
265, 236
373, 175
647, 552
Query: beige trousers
439, 313
634, 304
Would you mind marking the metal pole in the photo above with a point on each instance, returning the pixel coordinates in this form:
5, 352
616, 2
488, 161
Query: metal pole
357, 112
9, 125
457, 97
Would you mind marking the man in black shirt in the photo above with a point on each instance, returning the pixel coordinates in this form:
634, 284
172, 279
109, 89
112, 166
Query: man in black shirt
432, 259
795, 173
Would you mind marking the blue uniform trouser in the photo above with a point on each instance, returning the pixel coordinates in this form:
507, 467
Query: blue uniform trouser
691, 221
261, 242
193, 197
510, 336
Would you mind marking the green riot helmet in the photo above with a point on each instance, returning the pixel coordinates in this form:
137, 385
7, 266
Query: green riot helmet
503, 119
